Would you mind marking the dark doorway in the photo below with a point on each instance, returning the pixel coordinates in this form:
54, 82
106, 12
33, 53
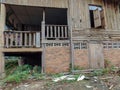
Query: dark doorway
32, 59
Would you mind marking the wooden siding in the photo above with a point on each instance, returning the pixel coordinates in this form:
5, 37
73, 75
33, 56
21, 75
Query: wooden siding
80, 10
42, 3
81, 18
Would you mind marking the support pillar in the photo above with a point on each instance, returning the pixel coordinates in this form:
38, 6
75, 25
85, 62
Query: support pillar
43, 38
2, 28
70, 23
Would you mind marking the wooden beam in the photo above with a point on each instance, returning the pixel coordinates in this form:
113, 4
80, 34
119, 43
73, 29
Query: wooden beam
43, 38
70, 11
21, 50
2, 28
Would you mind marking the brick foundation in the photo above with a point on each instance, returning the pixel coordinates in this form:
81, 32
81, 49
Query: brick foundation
112, 55
81, 58
57, 59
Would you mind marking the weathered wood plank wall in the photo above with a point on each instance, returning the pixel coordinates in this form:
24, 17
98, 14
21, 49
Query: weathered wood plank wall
80, 13
81, 18
42, 3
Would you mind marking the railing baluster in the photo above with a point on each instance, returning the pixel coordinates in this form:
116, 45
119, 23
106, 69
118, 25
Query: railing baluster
25, 39
34, 39
47, 32
11, 39
66, 35
21, 39
51, 31
7, 36
55, 32
62, 32
30, 37
58, 32
16, 39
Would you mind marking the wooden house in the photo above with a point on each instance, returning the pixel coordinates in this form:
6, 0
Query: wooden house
60, 35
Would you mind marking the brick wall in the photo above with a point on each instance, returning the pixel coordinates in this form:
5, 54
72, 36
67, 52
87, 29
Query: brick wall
112, 55
57, 59
81, 58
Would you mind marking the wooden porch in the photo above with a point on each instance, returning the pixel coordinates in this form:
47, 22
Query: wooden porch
21, 40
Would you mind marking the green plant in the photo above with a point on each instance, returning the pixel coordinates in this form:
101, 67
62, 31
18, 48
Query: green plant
10, 66
78, 68
107, 63
20, 73
17, 77
97, 72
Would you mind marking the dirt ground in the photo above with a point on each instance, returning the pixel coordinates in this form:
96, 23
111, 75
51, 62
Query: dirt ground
109, 82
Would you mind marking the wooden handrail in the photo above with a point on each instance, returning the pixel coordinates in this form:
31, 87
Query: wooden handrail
21, 39
56, 31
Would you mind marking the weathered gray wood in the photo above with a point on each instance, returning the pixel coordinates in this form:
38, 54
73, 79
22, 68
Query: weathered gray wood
21, 39
37, 39
62, 32
58, 32
7, 38
66, 32
2, 28
11, 39
30, 39
96, 55
41, 3
25, 39
16, 39
97, 18
70, 28
47, 31
55, 31
43, 39
51, 31
34, 39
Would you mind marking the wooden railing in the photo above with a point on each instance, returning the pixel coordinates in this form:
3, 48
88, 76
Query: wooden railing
56, 31
21, 39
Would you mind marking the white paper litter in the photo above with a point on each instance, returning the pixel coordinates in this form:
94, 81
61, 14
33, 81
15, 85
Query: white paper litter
80, 78
87, 86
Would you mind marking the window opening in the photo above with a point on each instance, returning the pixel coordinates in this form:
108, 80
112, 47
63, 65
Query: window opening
96, 16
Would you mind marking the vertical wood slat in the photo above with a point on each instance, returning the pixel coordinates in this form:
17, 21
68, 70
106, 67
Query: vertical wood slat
34, 39
21, 38
47, 31
16, 39
51, 31
11, 39
58, 32
66, 35
25, 39
7, 35
62, 32
55, 31
30, 41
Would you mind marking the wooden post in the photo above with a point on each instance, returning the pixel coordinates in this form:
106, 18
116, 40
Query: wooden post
70, 10
2, 28
20, 61
43, 38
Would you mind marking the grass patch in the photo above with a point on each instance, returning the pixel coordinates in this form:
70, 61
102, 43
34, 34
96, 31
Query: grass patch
103, 71
17, 74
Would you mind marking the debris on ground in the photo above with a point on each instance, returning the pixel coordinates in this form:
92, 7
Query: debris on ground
69, 77
80, 78
87, 86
